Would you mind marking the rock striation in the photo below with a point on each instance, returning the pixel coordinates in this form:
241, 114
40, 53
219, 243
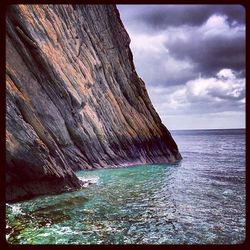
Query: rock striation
73, 99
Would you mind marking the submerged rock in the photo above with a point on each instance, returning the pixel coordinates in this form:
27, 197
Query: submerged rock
73, 99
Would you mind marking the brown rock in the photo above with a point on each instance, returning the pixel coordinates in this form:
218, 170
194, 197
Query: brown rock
74, 100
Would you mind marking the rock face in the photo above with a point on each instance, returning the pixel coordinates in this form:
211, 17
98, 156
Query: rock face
73, 99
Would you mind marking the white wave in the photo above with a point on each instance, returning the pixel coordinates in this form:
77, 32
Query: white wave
16, 209
62, 230
88, 180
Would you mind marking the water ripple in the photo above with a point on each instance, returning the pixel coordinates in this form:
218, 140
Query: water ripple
199, 200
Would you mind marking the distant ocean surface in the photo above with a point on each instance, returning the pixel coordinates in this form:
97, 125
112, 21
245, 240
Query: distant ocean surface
200, 200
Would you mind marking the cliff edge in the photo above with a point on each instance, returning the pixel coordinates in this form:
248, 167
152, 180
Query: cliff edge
73, 99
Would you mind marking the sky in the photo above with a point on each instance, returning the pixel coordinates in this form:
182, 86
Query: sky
192, 60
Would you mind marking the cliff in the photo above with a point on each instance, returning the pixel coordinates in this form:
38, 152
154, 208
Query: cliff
73, 99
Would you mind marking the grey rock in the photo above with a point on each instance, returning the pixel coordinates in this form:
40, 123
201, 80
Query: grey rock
74, 100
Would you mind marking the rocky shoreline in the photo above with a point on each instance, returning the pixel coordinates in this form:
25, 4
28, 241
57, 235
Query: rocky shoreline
73, 99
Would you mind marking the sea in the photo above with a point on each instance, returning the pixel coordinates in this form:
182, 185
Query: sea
199, 200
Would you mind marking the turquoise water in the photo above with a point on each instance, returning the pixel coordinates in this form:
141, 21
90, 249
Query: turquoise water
198, 200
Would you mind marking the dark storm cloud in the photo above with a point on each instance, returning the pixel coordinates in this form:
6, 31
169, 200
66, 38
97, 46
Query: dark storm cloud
211, 54
192, 59
206, 54
163, 16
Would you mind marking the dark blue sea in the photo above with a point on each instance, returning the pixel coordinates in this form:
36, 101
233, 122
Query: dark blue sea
200, 200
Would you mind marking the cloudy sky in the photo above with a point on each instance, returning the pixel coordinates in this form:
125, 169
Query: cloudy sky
192, 60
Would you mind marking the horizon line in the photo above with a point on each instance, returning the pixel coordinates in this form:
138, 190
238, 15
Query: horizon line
206, 129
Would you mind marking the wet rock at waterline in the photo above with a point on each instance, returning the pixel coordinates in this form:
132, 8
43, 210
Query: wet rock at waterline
73, 99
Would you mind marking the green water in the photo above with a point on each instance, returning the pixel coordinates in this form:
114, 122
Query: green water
118, 208
200, 200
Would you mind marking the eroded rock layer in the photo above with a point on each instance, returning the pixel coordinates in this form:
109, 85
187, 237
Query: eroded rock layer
73, 99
